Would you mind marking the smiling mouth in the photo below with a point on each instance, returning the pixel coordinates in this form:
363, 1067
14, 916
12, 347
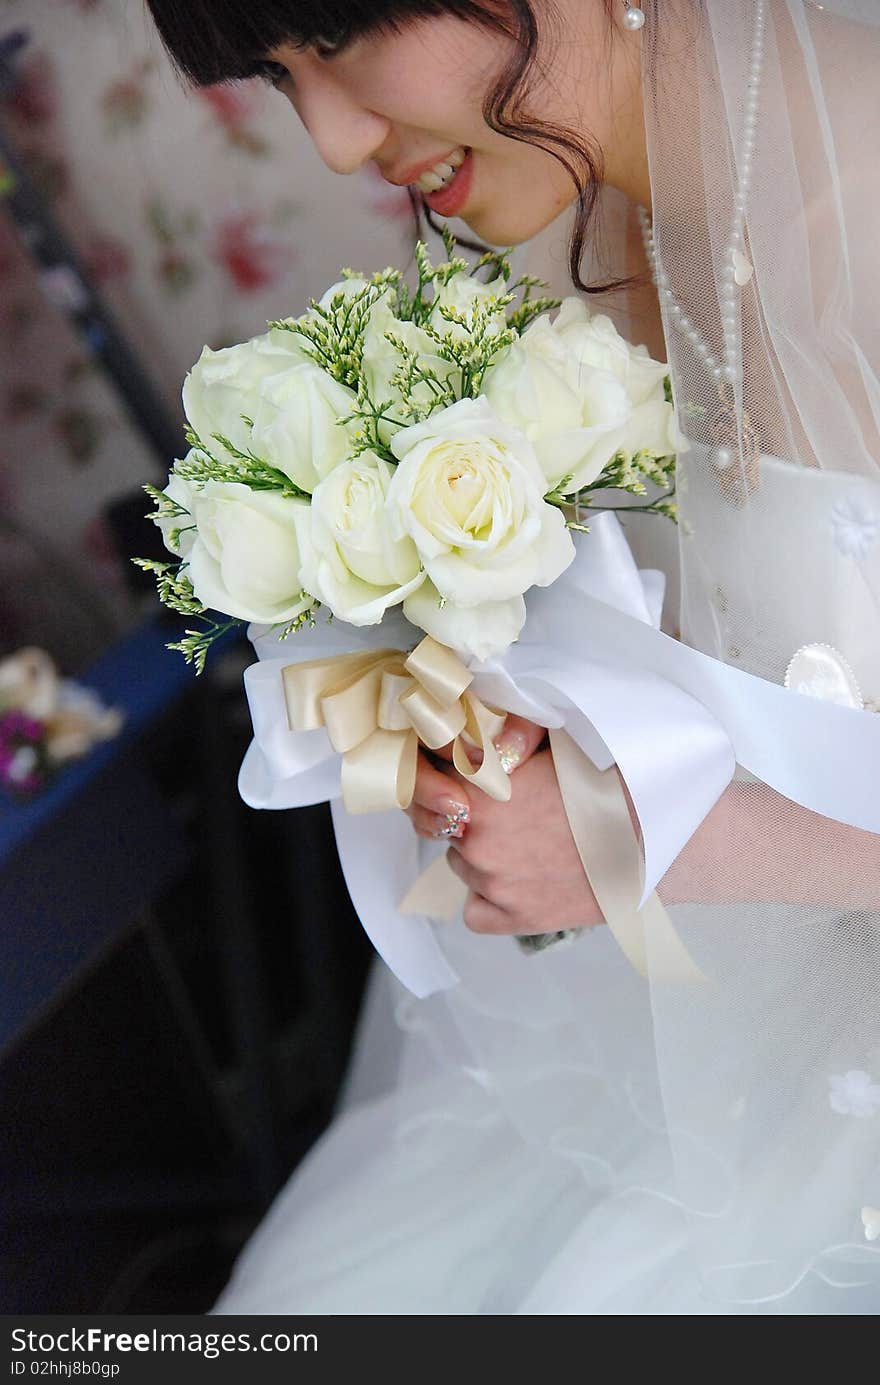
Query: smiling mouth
447, 196
434, 179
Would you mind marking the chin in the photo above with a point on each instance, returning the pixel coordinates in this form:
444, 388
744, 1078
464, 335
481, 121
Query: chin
514, 227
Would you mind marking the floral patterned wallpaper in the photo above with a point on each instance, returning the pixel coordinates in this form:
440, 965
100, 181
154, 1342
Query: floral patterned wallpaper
198, 216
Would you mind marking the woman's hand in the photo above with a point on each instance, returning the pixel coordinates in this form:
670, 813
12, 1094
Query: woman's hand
518, 859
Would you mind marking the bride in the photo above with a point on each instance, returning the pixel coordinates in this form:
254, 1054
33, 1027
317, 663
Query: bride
558, 1134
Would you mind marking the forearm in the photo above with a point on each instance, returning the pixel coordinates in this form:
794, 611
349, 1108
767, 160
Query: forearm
757, 845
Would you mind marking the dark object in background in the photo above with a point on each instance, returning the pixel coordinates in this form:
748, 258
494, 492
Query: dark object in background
133, 535
150, 1115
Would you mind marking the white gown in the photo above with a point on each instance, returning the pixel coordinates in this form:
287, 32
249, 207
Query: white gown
535, 1190
506, 1147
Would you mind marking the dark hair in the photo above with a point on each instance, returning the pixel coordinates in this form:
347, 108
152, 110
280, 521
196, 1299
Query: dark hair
218, 40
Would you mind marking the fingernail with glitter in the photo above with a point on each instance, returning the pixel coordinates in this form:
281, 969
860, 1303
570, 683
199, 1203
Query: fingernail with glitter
511, 748
449, 827
456, 812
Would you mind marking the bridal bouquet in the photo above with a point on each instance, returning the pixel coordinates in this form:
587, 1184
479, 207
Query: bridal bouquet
427, 448
409, 462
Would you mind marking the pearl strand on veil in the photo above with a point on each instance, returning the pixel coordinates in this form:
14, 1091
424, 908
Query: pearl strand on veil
736, 270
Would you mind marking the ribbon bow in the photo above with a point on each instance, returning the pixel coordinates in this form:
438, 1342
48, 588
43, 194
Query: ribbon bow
379, 705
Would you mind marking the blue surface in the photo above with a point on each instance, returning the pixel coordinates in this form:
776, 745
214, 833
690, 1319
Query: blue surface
81, 859
77, 885
138, 675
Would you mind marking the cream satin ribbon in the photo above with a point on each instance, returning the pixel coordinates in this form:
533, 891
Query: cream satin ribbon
598, 815
378, 706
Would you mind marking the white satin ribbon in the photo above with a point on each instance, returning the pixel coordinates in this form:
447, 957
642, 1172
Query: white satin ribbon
592, 660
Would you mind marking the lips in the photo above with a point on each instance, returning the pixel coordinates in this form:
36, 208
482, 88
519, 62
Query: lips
442, 173
402, 178
451, 199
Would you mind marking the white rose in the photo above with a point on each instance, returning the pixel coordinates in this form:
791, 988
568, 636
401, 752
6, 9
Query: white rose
462, 292
183, 493
475, 631
581, 393
297, 423
245, 560
470, 494
651, 427
351, 561
381, 360
596, 342
223, 385
569, 416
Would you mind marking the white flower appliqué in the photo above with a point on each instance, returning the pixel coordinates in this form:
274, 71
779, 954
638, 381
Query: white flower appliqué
854, 1093
855, 525
871, 1223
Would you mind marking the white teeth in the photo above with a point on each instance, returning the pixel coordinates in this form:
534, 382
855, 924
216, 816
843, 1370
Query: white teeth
431, 181
442, 172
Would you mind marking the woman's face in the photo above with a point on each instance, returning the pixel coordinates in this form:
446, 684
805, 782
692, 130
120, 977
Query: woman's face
406, 101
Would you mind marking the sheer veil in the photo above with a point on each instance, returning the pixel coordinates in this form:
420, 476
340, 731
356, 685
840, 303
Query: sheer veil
752, 1102
765, 117
801, 338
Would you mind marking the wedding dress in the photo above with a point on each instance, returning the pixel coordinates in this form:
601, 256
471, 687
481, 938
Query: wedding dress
558, 1134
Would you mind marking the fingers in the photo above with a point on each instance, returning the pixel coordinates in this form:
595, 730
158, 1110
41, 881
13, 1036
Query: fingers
440, 806
428, 824
517, 741
480, 914
461, 867
439, 793
482, 917
478, 880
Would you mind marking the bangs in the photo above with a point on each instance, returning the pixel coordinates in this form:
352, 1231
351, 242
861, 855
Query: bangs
218, 40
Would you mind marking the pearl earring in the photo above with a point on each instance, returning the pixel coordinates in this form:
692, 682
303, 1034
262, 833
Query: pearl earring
634, 17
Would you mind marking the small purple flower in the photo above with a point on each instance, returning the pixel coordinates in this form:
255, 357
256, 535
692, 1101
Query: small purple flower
22, 768
18, 726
